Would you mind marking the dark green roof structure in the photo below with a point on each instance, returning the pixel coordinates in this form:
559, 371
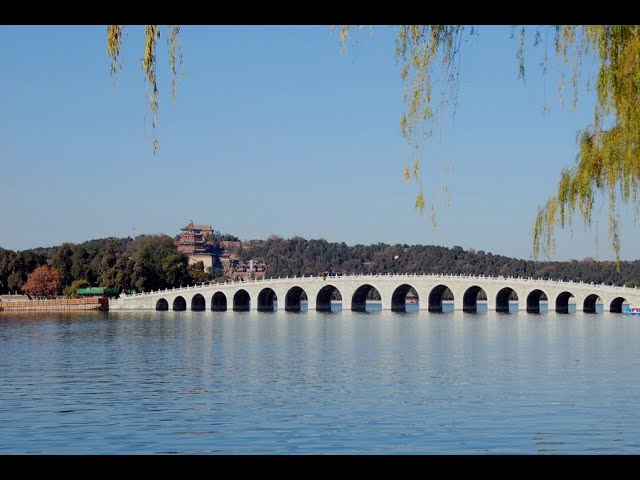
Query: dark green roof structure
98, 291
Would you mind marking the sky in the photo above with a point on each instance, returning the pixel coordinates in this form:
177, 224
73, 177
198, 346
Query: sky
275, 131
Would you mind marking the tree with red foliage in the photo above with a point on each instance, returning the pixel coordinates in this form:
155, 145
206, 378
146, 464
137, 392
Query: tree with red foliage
44, 281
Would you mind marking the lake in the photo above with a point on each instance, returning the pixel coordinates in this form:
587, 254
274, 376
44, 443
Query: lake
319, 383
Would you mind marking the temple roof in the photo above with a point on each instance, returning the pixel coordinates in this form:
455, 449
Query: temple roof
191, 226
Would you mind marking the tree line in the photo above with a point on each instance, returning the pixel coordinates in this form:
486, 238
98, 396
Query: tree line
298, 256
152, 262
148, 262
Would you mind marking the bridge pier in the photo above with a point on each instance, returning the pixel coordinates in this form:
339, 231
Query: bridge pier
457, 302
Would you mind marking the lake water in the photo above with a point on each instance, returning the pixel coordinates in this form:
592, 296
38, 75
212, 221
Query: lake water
319, 383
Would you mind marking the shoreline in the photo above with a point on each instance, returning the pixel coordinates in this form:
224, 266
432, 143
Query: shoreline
56, 305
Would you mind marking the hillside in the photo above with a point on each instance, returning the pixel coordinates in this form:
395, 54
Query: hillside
298, 256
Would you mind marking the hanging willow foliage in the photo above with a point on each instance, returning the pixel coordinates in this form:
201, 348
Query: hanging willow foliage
608, 162
149, 62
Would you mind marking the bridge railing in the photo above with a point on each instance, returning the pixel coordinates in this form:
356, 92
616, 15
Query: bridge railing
501, 278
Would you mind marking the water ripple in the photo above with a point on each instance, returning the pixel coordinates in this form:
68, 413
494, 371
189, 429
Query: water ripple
237, 383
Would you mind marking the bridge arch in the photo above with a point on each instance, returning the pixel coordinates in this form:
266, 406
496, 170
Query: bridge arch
266, 298
293, 299
324, 297
503, 297
437, 295
533, 300
399, 297
219, 302
471, 297
361, 295
241, 301
198, 303
563, 302
179, 303
590, 303
616, 304
162, 304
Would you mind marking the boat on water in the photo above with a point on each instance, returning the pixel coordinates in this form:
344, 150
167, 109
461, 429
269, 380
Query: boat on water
631, 310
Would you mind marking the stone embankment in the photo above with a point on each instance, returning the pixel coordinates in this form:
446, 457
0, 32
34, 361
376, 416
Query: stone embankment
57, 305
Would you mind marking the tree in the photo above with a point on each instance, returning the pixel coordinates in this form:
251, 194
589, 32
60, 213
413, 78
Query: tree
157, 263
124, 272
215, 272
7, 262
63, 261
14, 268
197, 274
608, 161
14, 282
80, 264
44, 281
106, 261
72, 290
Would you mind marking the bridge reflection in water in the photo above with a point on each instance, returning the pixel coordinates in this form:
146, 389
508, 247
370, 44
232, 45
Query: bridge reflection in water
435, 293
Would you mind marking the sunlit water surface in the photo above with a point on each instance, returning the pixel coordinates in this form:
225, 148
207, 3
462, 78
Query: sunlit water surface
319, 383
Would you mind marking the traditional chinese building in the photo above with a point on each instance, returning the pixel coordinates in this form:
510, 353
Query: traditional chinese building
193, 244
206, 231
198, 242
247, 270
227, 244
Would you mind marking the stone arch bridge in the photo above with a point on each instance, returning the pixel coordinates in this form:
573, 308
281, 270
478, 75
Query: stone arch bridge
393, 292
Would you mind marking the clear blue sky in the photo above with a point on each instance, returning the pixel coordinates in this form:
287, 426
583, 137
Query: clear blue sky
275, 132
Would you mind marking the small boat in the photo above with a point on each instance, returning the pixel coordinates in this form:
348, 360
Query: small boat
631, 310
